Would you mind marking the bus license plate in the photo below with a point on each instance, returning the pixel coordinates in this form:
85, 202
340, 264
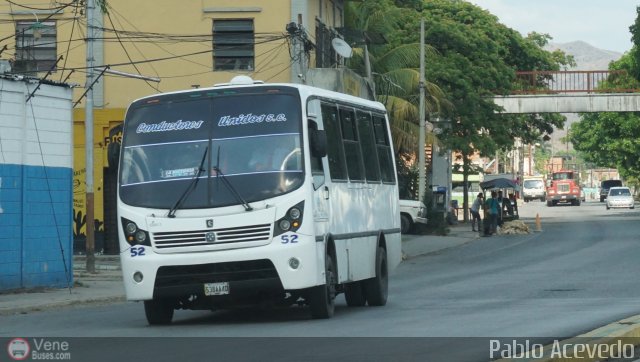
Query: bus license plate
216, 288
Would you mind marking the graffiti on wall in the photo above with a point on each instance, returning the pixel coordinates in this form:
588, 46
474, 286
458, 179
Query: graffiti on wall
79, 214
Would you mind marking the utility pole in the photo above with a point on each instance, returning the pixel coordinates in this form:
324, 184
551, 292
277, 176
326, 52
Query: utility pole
421, 143
88, 134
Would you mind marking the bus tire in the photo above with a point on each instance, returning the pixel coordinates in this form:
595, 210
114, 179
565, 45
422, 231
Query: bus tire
354, 294
322, 297
376, 288
158, 311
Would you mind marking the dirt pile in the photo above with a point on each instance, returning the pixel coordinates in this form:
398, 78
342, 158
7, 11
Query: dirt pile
514, 227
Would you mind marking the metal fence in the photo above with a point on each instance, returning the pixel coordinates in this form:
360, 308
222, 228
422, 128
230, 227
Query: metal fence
553, 82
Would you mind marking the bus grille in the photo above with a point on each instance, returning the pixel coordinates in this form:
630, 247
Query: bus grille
563, 188
173, 239
170, 276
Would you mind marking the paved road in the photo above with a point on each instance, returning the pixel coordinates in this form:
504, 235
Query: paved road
578, 274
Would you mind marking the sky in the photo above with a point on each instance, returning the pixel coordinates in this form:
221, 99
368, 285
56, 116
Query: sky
601, 23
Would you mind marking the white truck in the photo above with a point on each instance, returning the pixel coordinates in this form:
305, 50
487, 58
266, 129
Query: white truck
411, 212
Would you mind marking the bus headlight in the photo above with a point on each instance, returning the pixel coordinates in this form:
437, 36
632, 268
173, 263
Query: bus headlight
134, 235
131, 228
141, 236
295, 213
291, 221
284, 224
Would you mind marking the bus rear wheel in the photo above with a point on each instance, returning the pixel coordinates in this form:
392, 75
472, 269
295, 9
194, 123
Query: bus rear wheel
354, 294
322, 297
376, 288
158, 311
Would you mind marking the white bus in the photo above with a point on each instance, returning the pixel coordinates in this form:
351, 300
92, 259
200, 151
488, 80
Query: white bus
247, 192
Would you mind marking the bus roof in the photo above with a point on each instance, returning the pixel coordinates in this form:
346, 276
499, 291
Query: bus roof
305, 91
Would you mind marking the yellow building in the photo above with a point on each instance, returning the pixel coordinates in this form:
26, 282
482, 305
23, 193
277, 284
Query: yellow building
183, 44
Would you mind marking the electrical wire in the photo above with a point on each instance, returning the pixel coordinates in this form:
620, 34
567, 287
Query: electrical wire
135, 44
129, 57
33, 8
43, 20
53, 210
73, 26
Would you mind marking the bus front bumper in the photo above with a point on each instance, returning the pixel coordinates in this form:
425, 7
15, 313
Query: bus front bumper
263, 269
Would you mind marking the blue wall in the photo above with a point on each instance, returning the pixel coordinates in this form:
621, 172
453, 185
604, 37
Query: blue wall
35, 226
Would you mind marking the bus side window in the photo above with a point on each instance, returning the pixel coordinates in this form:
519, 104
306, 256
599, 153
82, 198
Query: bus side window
384, 149
368, 146
317, 171
331, 122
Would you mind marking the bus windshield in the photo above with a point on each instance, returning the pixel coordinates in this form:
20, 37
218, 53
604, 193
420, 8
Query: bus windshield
250, 137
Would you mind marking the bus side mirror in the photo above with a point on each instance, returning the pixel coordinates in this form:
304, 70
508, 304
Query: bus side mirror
318, 143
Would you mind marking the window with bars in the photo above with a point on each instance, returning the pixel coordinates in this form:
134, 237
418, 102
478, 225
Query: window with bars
326, 56
233, 44
36, 46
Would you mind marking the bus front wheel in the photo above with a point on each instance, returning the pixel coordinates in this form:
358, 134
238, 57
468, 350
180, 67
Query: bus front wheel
158, 311
322, 297
376, 288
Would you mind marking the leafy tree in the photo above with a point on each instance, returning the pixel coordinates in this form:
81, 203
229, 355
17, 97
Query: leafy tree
474, 57
612, 139
477, 58
395, 67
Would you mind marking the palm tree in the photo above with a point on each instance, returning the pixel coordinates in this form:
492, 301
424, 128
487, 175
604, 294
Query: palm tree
395, 73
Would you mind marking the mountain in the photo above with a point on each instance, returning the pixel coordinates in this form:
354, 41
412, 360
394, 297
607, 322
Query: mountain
586, 55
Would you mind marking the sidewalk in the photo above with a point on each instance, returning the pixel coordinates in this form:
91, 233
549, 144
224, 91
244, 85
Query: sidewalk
106, 286
416, 245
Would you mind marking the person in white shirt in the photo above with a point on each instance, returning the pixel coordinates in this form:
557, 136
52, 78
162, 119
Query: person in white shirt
475, 211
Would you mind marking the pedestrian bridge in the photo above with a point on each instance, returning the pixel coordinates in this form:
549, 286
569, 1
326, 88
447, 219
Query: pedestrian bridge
569, 92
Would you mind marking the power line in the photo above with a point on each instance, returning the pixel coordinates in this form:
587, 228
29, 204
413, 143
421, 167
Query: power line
163, 58
33, 8
129, 57
43, 20
73, 26
53, 210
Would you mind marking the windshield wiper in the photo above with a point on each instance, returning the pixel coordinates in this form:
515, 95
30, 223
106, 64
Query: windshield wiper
191, 187
233, 190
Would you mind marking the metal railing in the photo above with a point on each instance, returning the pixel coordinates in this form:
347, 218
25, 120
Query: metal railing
571, 81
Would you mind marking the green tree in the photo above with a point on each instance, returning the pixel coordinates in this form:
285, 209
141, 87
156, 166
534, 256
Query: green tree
612, 139
476, 58
395, 67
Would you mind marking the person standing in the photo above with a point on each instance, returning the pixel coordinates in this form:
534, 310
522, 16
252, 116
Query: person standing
475, 212
501, 204
493, 207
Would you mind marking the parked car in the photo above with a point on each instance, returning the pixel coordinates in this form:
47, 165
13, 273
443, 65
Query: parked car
620, 197
606, 185
411, 212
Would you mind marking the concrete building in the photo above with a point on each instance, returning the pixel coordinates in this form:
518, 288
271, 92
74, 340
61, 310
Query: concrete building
184, 44
35, 184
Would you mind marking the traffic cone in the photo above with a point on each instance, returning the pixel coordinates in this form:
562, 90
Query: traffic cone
538, 225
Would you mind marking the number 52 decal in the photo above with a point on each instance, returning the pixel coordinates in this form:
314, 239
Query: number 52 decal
137, 251
289, 239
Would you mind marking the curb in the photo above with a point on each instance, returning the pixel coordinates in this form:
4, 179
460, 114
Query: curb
61, 304
610, 335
